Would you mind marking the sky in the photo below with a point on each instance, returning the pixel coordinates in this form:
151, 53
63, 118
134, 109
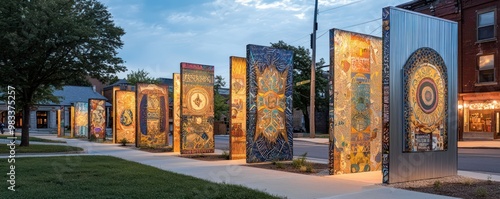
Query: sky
160, 34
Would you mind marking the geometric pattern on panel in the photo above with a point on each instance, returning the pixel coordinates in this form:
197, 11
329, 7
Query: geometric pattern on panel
197, 108
176, 135
237, 142
81, 124
152, 115
269, 104
125, 116
355, 103
97, 119
425, 99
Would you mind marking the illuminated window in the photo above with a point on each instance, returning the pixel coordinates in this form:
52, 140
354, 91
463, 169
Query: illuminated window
41, 119
486, 25
486, 68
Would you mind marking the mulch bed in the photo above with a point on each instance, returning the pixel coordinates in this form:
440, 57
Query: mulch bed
206, 157
317, 168
455, 186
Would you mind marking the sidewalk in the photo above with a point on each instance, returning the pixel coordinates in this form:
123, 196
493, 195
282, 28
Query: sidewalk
291, 185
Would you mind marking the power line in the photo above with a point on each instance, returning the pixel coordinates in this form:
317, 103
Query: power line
351, 27
340, 6
375, 29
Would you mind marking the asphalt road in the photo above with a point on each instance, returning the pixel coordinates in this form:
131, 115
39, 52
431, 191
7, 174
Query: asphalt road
477, 160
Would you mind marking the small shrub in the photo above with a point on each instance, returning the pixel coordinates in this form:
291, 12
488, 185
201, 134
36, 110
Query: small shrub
279, 165
124, 141
468, 182
437, 185
225, 154
481, 192
489, 181
309, 168
299, 162
93, 138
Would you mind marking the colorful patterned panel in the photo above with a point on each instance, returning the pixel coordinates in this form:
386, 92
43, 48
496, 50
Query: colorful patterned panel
238, 99
113, 114
152, 115
97, 119
269, 104
197, 108
176, 135
125, 116
81, 118
425, 98
355, 102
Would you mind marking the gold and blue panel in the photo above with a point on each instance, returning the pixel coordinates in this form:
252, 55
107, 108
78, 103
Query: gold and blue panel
97, 119
269, 104
152, 113
125, 116
237, 140
176, 135
355, 102
81, 118
197, 108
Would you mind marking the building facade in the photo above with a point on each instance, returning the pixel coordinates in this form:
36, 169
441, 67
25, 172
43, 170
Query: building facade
478, 60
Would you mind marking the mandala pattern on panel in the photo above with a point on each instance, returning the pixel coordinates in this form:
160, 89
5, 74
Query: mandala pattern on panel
238, 108
355, 102
385, 93
152, 113
176, 135
81, 117
125, 116
269, 104
97, 119
197, 108
425, 102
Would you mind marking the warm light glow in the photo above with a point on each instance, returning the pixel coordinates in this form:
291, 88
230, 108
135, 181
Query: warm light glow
460, 106
486, 105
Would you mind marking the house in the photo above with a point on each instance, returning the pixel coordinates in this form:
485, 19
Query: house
478, 54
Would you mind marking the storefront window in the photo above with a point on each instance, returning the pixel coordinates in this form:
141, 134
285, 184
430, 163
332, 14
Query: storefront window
480, 120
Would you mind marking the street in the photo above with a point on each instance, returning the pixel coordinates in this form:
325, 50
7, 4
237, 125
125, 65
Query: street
478, 160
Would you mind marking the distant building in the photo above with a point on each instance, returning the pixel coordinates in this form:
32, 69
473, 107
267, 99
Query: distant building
44, 116
478, 51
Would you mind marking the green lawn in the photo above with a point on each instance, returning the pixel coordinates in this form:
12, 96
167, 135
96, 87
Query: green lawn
38, 148
109, 177
34, 139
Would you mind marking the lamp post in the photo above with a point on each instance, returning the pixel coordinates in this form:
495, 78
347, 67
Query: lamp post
312, 129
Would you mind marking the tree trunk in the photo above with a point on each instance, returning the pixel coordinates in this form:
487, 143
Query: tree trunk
25, 134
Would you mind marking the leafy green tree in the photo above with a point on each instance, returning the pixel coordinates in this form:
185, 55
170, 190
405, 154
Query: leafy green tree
220, 102
45, 43
301, 72
140, 76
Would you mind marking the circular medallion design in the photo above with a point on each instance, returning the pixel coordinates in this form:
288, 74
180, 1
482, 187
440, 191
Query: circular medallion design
197, 99
427, 95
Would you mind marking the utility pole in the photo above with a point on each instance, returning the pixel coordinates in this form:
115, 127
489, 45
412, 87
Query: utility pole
312, 123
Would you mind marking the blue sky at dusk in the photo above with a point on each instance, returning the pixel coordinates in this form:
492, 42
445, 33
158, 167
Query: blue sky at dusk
162, 33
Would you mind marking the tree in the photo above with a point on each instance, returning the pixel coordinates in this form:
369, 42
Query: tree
220, 102
140, 76
301, 72
45, 43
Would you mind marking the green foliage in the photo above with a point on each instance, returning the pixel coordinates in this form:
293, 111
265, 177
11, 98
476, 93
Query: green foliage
299, 162
221, 107
481, 192
225, 154
437, 185
45, 148
301, 72
34, 139
140, 76
124, 141
45, 44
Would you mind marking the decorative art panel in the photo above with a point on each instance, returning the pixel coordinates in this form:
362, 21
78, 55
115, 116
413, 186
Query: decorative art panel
113, 114
81, 118
152, 115
97, 119
420, 74
197, 108
269, 104
176, 135
355, 102
425, 98
125, 116
237, 149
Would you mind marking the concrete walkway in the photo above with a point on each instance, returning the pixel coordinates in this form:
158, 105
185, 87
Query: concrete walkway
279, 183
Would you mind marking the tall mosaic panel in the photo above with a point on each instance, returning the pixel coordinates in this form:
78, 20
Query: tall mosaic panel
237, 142
97, 119
125, 117
269, 104
420, 56
152, 115
355, 102
81, 119
197, 108
113, 114
176, 135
